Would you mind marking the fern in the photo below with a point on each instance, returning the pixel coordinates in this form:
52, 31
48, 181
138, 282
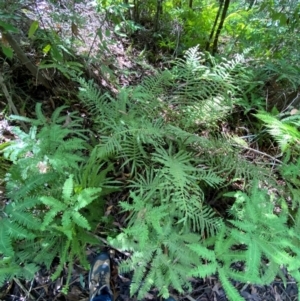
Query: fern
50, 148
176, 93
261, 235
284, 131
151, 132
45, 213
153, 224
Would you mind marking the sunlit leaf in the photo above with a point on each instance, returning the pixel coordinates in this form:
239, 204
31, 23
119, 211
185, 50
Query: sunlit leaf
47, 48
33, 28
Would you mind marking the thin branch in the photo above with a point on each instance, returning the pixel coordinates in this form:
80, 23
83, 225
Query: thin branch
259, 152
11, 104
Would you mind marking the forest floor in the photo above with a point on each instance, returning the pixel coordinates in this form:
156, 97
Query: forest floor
113, 62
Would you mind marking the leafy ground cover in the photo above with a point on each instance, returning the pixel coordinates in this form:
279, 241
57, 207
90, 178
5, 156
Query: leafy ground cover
185, 171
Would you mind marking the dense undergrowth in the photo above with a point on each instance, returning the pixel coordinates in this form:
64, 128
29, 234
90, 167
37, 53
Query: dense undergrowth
174, 147
153, 134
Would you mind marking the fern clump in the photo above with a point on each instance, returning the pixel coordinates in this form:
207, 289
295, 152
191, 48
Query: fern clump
47, 190
284, 129
195, 94
161, 251
259, 239
151, 133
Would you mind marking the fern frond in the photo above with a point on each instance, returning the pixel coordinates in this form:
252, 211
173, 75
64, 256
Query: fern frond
86, 196
17, 231
28, 271
67, 190
63, 258
177, 166
49, 248
153, 87
285, 133
80, 220
231, 291
5, 241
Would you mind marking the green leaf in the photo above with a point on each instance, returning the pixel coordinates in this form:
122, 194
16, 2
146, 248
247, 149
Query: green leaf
27, 220
8, 27
80, 220
29, 270
56, 53
53, 202
33, 28
68, 189
5, 242
7, 51
48, 218
17, 231
47, 48
230, 290
66, 220
86, 196
68, 231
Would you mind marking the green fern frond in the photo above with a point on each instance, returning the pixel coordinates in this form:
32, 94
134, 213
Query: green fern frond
24, 218
177, 166
17, 231
153, 87
283, 131
63, 258
29, 186
231, 291
8, 269
49, 248
67, 190
28, 271
270, 271
80, 220
5, 240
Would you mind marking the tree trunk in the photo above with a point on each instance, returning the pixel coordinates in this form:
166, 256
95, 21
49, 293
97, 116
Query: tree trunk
214, 26
158, 13
223, 17
136, 16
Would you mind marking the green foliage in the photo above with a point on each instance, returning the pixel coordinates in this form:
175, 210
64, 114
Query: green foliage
256, 245
224, 84
158, 137
162, 253
172, 96
147, 132
284, 131
117, 12
187, 23
45, 214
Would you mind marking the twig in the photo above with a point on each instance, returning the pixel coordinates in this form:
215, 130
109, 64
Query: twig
24, 59
10, 102
190, 298
96, 34
23, 288
258, 152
